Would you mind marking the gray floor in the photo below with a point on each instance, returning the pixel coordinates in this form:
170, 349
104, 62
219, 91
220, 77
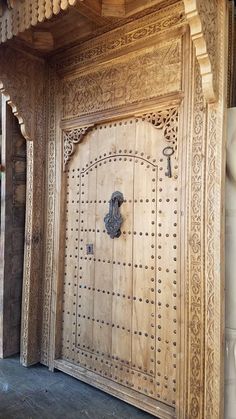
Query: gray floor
36, 393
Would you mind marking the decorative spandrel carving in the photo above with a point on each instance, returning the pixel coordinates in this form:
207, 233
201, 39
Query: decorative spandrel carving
136, 78
167, 120
71, 138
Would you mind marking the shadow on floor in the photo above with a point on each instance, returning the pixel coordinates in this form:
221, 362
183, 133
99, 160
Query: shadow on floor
36, 393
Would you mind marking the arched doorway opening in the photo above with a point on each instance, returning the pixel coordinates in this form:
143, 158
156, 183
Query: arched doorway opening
13, 203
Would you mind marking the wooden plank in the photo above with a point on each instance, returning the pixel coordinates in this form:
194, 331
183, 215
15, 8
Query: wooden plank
113, 8
123, 246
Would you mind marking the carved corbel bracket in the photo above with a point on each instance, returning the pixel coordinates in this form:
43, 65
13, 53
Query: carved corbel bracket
70, 139
202, 16
24, 130
21, 81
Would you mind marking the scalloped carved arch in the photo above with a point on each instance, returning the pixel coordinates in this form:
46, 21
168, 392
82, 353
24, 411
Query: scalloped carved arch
15, 112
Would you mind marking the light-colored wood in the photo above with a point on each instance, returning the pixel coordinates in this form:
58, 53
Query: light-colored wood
117, 390
159, 66
121, 313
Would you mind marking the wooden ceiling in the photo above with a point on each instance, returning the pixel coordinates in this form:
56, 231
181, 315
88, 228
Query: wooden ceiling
87, 19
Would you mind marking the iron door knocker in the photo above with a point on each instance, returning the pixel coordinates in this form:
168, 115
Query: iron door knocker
113, 219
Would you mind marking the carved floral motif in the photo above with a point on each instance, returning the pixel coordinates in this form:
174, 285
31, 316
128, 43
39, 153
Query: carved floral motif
166, 119
71, 138
136, 79
196, 252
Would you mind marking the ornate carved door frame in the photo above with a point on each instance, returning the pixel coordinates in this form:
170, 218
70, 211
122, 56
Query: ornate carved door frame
201, 356
202, 378
22, 81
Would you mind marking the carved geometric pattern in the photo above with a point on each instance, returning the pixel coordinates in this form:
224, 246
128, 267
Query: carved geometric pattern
70, 139
167, 120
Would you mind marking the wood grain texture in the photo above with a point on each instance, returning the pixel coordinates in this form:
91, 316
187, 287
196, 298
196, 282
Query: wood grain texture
151, 72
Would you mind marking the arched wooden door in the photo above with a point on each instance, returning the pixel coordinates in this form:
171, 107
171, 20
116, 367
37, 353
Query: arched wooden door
120, 319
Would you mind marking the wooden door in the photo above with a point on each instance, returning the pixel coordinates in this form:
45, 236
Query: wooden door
13, 201
120, 296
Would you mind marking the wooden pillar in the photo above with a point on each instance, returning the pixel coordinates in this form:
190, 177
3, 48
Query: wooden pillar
13, 178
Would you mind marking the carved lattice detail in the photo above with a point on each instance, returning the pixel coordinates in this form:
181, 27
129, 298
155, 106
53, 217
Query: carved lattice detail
71, 138
167, 120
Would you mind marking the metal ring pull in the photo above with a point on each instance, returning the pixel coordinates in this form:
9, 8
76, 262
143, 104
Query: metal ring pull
168, 151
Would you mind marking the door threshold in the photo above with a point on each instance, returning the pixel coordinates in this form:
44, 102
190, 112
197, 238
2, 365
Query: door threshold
154, 407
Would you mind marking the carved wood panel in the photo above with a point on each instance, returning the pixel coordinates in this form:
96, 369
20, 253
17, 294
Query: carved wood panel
132, 79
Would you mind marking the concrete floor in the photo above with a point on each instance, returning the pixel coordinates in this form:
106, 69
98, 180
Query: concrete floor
36, 393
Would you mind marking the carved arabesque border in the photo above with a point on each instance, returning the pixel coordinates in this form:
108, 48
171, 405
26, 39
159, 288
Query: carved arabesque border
196, 262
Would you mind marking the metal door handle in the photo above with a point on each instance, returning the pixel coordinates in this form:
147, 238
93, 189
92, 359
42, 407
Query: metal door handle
113, 219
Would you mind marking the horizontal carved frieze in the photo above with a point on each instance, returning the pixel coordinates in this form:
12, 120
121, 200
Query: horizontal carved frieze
142, 76
118, 40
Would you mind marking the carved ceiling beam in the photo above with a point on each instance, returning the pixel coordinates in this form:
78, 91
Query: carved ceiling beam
202, 16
